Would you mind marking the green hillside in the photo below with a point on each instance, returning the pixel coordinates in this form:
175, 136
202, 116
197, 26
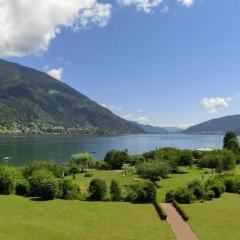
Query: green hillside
33, 102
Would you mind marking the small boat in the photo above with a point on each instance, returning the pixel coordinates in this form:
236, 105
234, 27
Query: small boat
93, 152
6, 158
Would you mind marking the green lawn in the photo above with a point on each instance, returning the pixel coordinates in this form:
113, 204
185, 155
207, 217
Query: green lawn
174, 181
217, 219
179, 180
23, 219
106, 175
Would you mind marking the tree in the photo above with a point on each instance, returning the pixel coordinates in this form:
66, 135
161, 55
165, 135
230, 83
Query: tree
115, 191
233, 145
152, 170
230, 142
81, 160
115, 159
185, 158
220, 160
97, 189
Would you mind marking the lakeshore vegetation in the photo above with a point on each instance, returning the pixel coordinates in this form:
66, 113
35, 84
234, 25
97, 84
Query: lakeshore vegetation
93, 199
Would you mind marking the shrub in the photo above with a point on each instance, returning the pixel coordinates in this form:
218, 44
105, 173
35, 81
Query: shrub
97, 189
216, 185
208, 195
184, 195
152, 170
170, 196
142, 192
68, 190
115, 191
43, 184
88, 175
180, 211
22, 187
231, 185
160, 211
197, 188
8, 178
34, 166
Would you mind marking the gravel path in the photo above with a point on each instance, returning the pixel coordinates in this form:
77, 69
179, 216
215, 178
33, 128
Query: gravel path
179, 227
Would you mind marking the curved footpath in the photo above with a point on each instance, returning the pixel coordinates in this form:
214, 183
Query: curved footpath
179, 227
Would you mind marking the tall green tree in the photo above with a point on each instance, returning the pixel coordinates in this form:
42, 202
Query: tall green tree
228, 136
115, 159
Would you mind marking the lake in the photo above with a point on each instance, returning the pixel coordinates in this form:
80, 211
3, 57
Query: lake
22, 149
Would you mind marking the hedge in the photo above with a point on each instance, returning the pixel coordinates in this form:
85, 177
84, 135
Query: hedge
160, 211
180, 211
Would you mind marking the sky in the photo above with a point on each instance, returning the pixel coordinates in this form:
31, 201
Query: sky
159, 62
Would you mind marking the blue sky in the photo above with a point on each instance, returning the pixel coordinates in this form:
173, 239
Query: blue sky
172, 63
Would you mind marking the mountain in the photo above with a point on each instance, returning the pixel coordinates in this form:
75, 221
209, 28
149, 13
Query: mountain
216, 126
152, 129
33, 102
173, 129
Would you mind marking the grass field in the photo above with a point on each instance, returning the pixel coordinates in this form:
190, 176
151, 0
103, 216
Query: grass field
23, 219
217, 219
174, 181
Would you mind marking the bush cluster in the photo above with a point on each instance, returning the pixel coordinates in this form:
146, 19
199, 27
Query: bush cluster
52, 167
68, 190
197, 190
43, 184
142, 192
220, 160
232, 184
181, 195
8, 180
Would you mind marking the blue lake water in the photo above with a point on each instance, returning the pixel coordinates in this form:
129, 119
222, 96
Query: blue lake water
22, 149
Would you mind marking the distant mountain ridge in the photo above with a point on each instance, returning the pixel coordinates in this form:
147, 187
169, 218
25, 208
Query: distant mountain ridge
216, 126
150, 129
33, 102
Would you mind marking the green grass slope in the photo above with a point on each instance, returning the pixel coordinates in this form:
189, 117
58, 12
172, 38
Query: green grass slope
24, 219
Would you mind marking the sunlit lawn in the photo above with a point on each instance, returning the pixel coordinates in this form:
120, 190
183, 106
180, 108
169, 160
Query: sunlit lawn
173, 182
217, 219
24, 219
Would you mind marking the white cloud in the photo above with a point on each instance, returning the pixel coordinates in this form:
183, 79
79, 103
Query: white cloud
212, 105
55, 73
186, 3
128, 117
28, 26
112, 107
148, 5
141, 119
145, 5
139, 110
